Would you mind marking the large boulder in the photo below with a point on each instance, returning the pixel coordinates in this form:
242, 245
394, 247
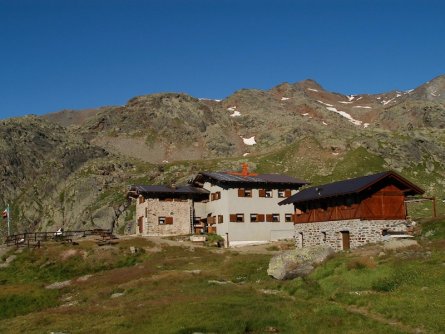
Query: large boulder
298, 262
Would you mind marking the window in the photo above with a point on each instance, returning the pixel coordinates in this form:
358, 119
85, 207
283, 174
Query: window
323, 236
242, 192
288, 218
273, 218
256, 218
141, 199
282, 193
220, 219
165, 220
211, 220
215, 196
265, 193
237, 218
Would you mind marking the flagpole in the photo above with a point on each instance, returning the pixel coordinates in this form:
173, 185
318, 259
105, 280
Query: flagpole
9, 228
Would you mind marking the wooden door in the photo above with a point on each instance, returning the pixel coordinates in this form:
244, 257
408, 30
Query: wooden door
140, 224
345, 240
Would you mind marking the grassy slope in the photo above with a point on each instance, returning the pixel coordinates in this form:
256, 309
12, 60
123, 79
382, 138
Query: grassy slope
353, 292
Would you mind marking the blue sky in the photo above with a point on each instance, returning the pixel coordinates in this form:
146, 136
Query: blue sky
76, 54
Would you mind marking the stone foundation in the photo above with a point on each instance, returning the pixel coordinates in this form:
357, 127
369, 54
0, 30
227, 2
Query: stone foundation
329, 233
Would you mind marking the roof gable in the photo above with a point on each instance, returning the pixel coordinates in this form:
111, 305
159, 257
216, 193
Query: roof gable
351, 186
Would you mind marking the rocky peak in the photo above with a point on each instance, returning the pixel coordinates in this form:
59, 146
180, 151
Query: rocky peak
433, 90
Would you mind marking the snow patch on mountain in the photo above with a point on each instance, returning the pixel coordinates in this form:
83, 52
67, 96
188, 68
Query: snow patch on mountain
235, 113
249, 141
385, 102
326, 104
345, 115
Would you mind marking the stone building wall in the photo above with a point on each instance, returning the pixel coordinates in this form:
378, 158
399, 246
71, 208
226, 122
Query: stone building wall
152, 209
360, 232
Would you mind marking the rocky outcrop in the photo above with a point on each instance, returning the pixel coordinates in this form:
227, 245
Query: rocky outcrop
72, 168
297, 262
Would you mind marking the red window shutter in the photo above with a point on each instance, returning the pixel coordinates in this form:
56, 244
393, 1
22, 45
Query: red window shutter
262, 192
240, 192
141, 199
269, 218
294, 218
168, 220
260, 217
287, 193
212, 196
233, 218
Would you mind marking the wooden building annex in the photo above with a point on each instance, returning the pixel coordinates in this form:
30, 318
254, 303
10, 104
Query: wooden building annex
352, 212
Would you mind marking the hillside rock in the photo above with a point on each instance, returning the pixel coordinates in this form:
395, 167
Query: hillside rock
297, 262
72, 168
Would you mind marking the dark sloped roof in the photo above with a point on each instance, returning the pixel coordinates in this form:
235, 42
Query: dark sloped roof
159, 189
259, 179
350, 186
189, 189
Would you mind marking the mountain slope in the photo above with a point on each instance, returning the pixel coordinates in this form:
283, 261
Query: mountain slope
72, 168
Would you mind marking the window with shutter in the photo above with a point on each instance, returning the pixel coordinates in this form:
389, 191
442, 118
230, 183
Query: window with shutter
240, 192
141, 199
240, 217
233, 218
269, 218
161, 220
220, 219
253, 217
288, 218
276, 217
287, 193
169, 220
260, 218
281, 193
262, 192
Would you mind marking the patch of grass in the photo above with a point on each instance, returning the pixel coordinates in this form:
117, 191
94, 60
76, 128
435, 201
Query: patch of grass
433, 229
20, 300
184, 290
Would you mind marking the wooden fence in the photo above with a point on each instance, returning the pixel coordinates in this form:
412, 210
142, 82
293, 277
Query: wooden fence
34, 239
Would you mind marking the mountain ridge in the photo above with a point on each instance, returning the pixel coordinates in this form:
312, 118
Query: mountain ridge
71, 168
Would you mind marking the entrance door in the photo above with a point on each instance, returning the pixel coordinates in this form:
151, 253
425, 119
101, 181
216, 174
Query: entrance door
345, 240
140, 224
